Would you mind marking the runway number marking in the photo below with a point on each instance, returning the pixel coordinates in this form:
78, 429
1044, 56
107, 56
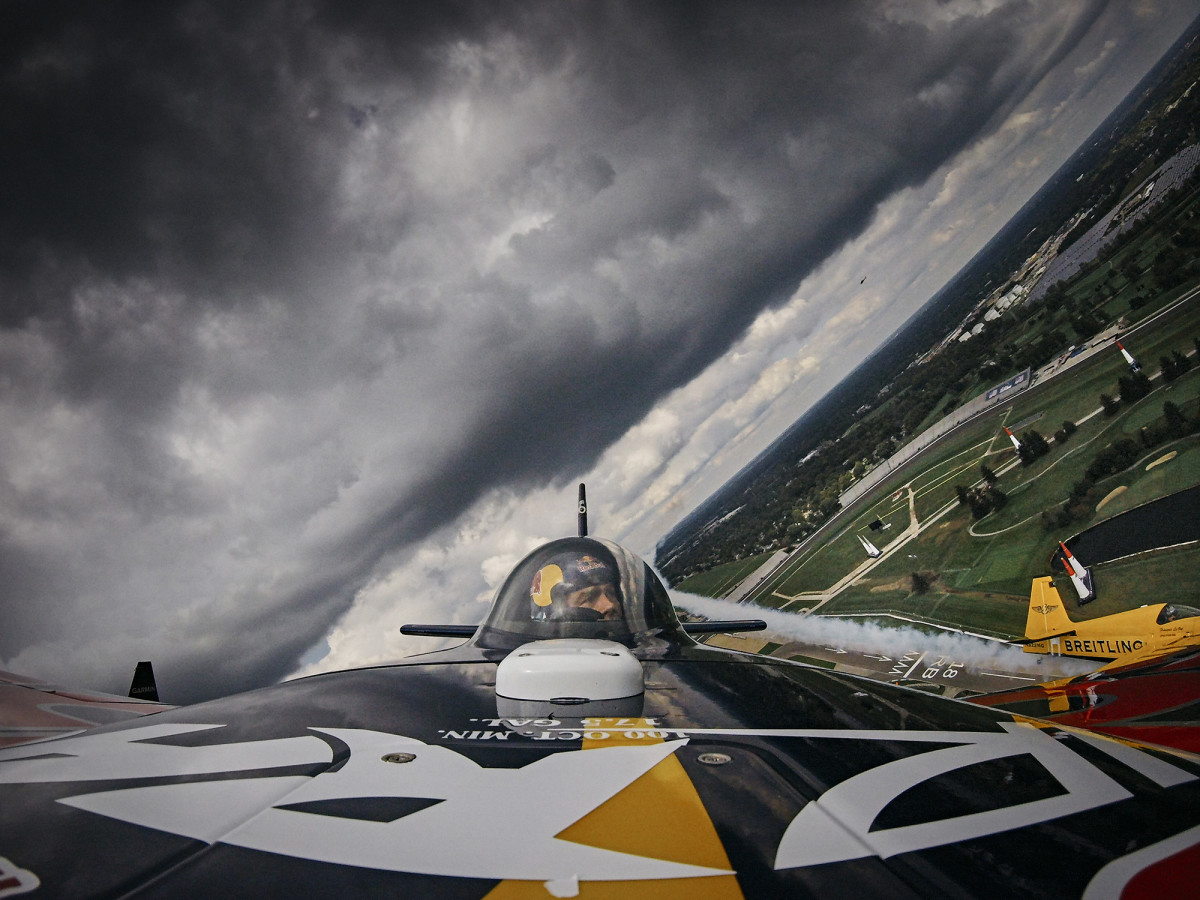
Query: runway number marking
943, 667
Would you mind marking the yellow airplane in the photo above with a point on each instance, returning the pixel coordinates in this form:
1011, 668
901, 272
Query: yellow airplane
1121, 638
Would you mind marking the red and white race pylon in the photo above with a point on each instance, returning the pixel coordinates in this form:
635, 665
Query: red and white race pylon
1079, 574
1134, 365
872, 551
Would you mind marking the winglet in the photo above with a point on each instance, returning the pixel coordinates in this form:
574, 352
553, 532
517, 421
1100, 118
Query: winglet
143, 686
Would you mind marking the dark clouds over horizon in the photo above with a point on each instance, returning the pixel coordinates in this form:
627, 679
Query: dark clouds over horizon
287, 288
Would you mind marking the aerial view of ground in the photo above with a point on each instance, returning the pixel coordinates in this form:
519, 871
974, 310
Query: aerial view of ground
948, 535
978, 570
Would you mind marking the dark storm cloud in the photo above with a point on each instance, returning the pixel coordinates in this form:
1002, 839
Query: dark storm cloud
285, 287
175, 140
144, 139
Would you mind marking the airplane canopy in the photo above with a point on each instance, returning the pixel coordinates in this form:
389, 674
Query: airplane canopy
581, 588
1174, 611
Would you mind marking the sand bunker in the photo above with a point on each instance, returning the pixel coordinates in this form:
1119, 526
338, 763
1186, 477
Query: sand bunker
1163, 459
1112, 495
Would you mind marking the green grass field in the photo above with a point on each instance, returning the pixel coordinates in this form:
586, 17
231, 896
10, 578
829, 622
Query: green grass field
980, 571
720, 580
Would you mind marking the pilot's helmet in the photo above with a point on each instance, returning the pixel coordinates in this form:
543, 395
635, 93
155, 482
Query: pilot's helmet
576, 587
581, 587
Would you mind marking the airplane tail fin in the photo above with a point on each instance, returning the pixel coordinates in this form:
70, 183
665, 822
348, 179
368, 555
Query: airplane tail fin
1047, 615
144, 686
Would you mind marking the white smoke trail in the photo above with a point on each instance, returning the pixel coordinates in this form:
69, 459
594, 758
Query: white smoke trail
849, 634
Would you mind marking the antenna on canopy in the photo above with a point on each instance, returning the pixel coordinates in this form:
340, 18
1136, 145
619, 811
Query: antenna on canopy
582, 510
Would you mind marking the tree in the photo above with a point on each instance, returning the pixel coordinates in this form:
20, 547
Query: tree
1176, 422
1113, 459
1086, 323
1080, 488
1033, 446
1134, 387
988, 475
920, 582
1110, 405
1182, 363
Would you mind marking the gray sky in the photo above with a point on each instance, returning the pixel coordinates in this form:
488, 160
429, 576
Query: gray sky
313, 314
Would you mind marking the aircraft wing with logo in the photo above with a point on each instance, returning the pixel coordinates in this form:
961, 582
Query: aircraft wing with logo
34, 710
581, 743
1154, 701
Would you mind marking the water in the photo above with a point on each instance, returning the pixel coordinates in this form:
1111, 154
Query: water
1174, 519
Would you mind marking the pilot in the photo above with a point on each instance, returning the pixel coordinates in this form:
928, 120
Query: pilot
576, 587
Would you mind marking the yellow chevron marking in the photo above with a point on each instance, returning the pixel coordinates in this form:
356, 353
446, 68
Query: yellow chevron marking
660, 816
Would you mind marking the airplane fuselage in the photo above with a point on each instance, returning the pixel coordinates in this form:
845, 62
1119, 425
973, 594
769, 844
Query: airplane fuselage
1147, 631
409, 779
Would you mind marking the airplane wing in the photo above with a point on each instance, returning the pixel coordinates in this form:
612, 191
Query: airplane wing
35, 710
569, 750
1154, 699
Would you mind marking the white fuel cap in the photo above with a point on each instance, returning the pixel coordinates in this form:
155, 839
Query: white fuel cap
574, 670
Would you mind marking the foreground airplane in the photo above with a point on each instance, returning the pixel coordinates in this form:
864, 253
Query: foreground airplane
1121, 638
581, 743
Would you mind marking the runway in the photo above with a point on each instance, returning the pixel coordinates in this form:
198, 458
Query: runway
923, 667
